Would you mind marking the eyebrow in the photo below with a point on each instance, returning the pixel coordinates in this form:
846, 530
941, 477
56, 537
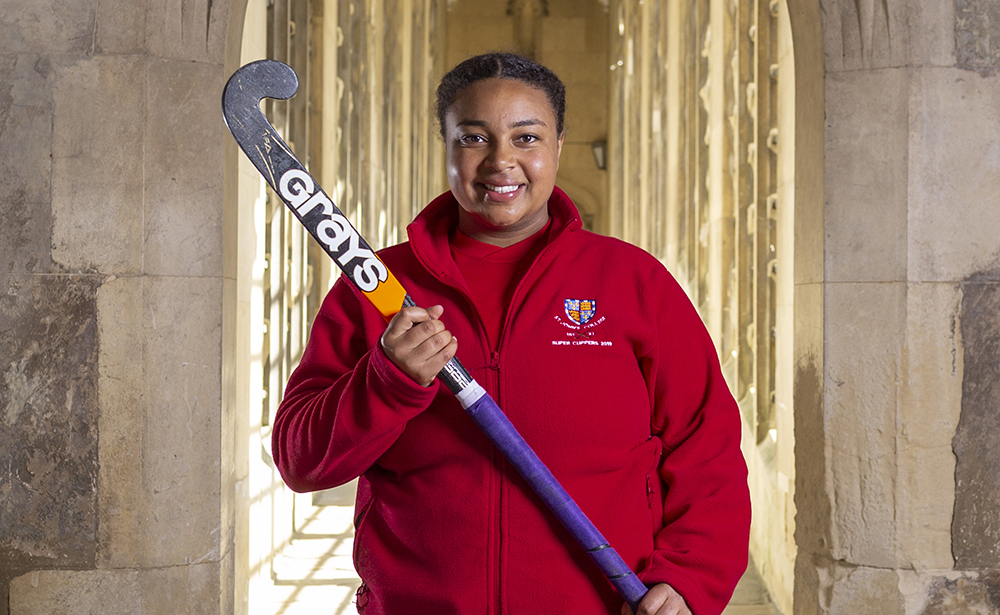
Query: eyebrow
519, 124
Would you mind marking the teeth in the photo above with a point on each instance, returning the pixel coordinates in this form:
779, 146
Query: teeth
501, 189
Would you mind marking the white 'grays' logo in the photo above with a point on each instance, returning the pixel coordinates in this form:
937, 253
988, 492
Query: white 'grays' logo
298, 188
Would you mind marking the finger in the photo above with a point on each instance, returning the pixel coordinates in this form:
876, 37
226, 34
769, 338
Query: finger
427, 340
405, 319
418, 343
425, 371
437, 362
435, 311
654, 600
673, 604
407, 330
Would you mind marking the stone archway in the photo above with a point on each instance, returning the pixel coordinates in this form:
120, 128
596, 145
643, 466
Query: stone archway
805, 180
716, 149
797, 125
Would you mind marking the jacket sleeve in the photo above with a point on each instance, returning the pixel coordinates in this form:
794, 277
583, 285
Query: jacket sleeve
702, 549
346, 403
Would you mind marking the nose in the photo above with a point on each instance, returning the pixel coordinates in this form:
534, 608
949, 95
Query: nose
500, 157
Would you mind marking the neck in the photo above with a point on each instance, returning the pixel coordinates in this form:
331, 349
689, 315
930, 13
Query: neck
500, 237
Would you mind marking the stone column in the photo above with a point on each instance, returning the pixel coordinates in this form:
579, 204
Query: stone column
117, 495
911, 254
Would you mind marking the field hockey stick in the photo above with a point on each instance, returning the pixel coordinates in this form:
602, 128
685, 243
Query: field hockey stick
339, 239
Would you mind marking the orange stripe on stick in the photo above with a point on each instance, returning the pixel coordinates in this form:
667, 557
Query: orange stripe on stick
388, 297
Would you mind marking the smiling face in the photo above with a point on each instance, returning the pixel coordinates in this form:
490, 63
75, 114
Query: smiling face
502, 154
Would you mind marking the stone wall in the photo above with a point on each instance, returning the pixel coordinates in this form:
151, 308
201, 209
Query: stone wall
910, 346
112, 495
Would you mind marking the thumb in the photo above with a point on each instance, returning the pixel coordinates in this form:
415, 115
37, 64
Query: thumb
435, 311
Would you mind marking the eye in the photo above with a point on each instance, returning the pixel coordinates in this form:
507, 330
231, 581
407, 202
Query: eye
527, 138
471, 139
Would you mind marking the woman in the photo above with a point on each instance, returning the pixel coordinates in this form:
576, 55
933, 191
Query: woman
587, 343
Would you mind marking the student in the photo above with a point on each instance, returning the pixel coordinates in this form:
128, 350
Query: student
588, 345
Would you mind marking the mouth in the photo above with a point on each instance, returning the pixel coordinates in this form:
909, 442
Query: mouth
501, 193
501, 189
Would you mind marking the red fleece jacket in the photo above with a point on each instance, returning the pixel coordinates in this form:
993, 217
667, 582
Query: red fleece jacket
625, 404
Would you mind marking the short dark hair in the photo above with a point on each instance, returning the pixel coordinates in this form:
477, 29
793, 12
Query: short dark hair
500, 65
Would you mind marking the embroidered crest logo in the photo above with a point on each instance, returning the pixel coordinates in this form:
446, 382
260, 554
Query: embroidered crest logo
580, 324
580, 311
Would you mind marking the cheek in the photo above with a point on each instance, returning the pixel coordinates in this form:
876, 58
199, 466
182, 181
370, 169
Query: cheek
543, 167
461, 165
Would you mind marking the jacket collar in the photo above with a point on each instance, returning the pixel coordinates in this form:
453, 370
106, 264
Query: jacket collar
430, 231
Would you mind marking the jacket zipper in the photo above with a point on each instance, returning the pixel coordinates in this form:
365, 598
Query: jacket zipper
493, 371
492, 385
515, 299
493, 374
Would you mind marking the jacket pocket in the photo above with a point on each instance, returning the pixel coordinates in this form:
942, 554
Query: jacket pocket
361, 598
655, 493
650, 502
360, 521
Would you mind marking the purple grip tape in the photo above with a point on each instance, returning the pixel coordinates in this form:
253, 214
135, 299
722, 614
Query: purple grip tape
498, 428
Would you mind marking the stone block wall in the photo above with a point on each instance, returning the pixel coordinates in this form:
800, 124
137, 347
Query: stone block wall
113, 498
910, 293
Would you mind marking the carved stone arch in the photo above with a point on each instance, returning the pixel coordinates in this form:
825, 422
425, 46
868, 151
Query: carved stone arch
365, 132
716, 167
806, 116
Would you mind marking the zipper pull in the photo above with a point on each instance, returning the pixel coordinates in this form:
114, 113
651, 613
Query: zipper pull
495, 360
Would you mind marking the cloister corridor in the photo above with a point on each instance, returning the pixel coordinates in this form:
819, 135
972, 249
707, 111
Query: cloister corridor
819, 176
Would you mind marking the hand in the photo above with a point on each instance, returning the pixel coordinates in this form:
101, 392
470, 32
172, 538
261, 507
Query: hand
661, 599
418, 344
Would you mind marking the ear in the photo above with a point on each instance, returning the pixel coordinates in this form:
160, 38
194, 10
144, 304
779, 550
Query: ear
559, 147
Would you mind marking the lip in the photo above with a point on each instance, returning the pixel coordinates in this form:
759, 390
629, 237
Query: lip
491, 194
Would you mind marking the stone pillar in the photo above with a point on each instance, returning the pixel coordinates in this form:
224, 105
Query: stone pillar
113, 496
911, 257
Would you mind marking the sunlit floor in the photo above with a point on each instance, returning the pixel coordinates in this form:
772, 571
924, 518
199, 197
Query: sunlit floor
315, 576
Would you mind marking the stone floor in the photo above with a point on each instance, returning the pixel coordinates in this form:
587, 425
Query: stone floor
750, 597
314, 576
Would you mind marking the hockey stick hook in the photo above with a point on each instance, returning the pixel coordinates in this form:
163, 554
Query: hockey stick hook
241, 107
